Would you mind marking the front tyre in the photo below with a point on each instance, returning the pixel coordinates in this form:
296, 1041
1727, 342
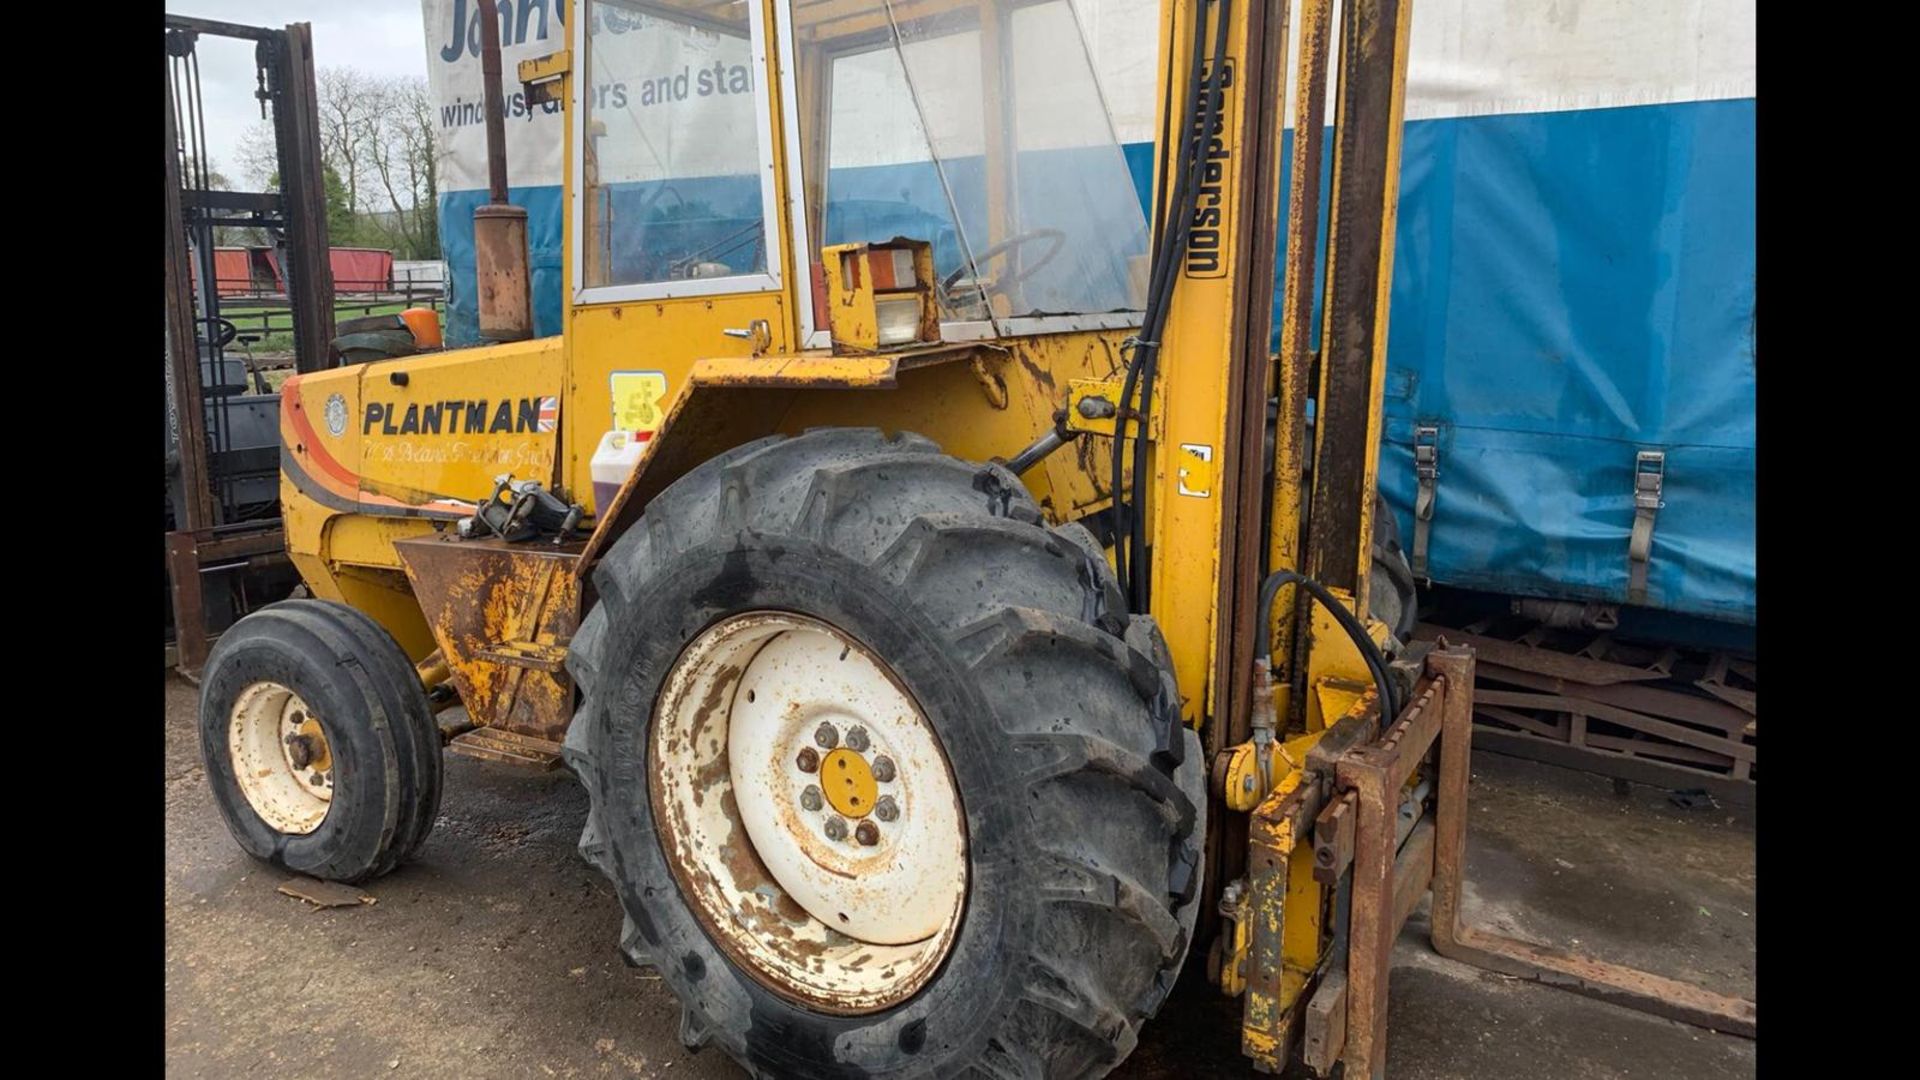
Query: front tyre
318, 741
887, 782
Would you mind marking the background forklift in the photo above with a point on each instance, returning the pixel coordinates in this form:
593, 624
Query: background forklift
978, 637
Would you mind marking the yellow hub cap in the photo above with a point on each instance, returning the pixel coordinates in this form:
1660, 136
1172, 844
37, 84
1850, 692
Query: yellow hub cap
847, 781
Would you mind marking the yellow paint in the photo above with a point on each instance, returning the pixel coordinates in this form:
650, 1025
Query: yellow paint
1331, 655
1189, 529
664, 337
360, 540
1242, 790
1107, 393
494, 388
813, 369
944, 402
541, 68
847, 781
384, 596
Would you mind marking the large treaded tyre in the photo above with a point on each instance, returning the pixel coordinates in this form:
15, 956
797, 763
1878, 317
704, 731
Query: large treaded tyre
383, 744
1083, 794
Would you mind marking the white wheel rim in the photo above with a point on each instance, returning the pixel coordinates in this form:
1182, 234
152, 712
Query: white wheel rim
829, 861
281, 758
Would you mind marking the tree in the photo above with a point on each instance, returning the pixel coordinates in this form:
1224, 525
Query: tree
259, 156
402, 149
348, 104
380, 153
342, 223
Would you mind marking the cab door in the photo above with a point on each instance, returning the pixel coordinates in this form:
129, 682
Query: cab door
678, 243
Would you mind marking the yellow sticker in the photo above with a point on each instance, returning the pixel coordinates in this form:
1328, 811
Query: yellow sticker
639, 400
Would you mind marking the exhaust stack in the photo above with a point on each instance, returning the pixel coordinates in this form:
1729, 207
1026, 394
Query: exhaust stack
501, 262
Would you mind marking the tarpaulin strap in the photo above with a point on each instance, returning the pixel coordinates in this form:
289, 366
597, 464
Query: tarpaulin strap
1649, 471
1426, 466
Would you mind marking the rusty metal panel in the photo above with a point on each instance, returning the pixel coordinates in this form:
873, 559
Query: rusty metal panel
502, 615
502, 266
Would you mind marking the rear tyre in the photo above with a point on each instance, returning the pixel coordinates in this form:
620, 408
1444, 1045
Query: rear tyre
1049, 716
318, 741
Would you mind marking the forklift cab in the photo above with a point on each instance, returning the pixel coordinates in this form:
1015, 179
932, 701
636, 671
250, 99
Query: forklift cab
722, 143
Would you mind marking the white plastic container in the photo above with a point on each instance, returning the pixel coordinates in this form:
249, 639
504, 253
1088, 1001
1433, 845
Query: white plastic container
613, 462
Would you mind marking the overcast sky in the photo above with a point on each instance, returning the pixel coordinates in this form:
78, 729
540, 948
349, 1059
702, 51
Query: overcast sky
379, 37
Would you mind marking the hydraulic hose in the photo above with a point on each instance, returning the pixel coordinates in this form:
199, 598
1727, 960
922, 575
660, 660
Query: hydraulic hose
1369, 650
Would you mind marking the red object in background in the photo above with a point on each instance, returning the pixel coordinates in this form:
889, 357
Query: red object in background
256, 270
361, 269
232, 274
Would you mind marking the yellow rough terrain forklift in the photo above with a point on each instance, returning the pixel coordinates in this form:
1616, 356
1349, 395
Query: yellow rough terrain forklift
977, 635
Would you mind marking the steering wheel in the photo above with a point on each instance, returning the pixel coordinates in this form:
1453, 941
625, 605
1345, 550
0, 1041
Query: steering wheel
1003, 283
226, 332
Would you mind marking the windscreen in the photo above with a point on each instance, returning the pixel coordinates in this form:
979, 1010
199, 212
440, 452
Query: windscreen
672, 182
979, 126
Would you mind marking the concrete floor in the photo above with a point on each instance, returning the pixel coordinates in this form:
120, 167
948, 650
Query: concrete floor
492, 954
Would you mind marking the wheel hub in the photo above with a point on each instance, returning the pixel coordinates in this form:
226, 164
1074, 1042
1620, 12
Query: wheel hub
281, 758
783, 736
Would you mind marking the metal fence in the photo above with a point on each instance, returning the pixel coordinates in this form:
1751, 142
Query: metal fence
260, 314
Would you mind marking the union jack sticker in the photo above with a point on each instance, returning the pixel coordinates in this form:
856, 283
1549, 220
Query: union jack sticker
549, 415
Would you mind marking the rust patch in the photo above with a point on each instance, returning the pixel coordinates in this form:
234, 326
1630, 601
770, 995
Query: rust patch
717, 696
501, 617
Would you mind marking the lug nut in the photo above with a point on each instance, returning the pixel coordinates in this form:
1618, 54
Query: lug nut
883, 769
868, 833
810, 798
857, 739
826, 736
809, 761
886, 809
836, 828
